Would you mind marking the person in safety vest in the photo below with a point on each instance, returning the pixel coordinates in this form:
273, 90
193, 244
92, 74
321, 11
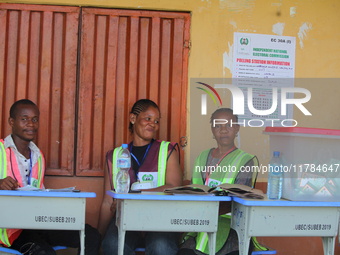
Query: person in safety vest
155, 167
223, 164
22, 164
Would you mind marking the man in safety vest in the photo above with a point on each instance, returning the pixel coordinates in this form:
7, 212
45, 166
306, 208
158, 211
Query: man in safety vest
22, 164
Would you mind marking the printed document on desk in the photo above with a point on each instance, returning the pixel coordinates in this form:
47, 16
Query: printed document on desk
224, 189
32, 188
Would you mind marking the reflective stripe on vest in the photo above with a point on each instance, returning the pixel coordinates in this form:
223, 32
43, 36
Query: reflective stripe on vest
41, 167
114, 168
4, 237
162, 160
3, 162
233, 174
200, 242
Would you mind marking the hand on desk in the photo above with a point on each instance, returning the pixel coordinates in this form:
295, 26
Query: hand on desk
8, 184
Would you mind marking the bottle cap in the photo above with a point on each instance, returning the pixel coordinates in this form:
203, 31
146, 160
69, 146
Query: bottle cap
276, 153
124, 146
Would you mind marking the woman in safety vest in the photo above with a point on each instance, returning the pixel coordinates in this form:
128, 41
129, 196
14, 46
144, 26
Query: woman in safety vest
154, 166
223, 164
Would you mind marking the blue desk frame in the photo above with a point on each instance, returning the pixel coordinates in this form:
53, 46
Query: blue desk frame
156, 211
45, 210
254, 217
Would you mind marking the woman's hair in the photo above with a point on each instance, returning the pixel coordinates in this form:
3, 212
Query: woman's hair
227, 110
141, 106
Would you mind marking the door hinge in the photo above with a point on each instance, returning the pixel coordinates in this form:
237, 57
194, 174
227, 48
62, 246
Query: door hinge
183, 142
187, 44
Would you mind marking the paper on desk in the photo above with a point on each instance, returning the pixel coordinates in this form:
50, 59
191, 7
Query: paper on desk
29, 188
192, 189
32, 188
61, 190
223, 189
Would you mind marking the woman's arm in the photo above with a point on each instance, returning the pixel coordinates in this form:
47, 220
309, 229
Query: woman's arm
108, 207
245, 177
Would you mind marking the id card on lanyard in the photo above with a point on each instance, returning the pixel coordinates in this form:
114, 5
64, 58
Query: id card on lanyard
141, 184
32, 181
212, 183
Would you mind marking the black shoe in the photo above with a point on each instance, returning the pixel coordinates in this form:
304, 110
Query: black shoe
32, 249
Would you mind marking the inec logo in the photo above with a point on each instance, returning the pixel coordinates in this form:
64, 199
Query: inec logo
244, 41
35, 183
213, 184
147, 177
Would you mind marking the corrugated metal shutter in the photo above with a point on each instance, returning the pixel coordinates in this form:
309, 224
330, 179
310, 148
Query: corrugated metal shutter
38, 60
127, 55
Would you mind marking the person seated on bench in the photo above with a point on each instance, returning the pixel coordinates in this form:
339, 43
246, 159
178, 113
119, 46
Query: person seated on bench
26, 166
145, 151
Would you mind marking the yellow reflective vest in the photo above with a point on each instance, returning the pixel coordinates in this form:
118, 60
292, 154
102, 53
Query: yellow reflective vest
229, 168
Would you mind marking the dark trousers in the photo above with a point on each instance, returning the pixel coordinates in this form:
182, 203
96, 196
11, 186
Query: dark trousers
41, 242
187, 251
156, 243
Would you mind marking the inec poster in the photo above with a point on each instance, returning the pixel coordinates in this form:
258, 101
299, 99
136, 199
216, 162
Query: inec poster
262, 62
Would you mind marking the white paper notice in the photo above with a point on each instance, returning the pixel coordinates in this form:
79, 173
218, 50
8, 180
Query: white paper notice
262, 62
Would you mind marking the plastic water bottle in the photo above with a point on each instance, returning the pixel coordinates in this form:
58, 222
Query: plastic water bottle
275, 177
123, 164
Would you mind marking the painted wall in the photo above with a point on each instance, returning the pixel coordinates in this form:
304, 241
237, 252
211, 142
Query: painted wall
314, 23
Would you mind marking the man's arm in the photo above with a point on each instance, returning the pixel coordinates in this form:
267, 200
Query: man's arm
8, 184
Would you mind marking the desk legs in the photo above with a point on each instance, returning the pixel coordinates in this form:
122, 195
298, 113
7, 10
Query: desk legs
328, 245
239, 223
243, 242
82, 241
121, 240
119, 224
212, 242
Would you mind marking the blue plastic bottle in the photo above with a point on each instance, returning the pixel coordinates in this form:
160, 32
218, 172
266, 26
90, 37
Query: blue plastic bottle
275, 177
123, 164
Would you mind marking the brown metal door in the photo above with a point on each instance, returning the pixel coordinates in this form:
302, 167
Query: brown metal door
125, 56
38, 60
